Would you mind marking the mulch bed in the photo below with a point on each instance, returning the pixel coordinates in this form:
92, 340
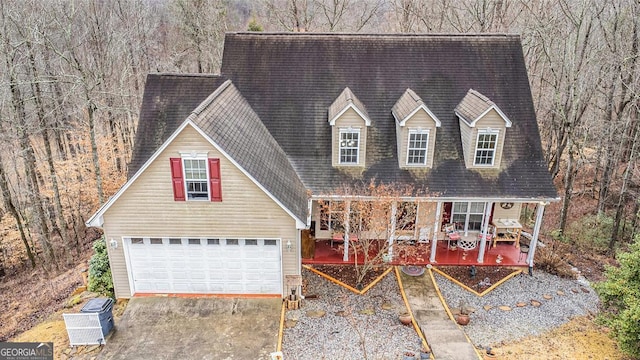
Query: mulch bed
485, 275
347, 274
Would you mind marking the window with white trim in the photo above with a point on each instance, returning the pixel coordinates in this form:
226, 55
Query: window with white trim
349, 146
417, 147
468, 215
196, 179
486, 146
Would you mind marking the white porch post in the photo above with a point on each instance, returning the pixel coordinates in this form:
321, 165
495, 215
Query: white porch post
485, 225
536, 233
394, 212
347, 211
436, 230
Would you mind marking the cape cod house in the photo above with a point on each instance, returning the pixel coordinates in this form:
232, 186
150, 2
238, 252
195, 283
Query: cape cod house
229, 171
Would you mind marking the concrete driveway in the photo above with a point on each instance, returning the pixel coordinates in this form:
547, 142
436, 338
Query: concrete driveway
195, 328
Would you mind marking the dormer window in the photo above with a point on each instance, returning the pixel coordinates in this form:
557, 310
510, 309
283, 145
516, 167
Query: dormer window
416, 127
417, 147
349, 120
349, 146
483, 128
486, 146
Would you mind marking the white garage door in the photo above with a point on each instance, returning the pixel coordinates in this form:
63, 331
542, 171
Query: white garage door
204, 265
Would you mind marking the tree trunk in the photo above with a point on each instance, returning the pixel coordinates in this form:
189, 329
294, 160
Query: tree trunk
568, 189
9, 205
58, 221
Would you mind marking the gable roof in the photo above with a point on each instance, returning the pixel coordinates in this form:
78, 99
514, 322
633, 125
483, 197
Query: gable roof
223, 117
474, 106
167, 102
227, 119
408, 104
291, 80
346, 100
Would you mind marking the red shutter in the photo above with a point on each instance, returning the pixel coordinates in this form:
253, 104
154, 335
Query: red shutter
214, 180
176, 177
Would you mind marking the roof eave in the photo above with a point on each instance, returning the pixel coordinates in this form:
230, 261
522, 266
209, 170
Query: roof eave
423, 107
360, 113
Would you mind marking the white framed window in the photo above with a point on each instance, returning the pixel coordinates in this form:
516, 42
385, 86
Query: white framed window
196, 178
417, 147
349, 146
468, 214
486, 146
331, 215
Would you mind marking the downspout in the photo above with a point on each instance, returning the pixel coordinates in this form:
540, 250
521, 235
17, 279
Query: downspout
485, 225
536, 233
436, 230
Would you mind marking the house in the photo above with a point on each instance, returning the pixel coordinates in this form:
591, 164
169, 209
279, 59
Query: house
229, 170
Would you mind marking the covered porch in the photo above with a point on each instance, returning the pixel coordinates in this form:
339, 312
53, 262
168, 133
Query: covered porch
509, 254
441, 232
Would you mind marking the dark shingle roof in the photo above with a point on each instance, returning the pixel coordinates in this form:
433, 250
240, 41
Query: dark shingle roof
472, 106
291, 80
167, 102
229, 121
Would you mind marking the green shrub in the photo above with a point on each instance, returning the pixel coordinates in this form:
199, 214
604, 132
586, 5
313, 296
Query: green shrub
100, 280
254, 26
620, 295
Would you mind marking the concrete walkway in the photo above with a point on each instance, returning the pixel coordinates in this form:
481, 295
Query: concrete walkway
446, 339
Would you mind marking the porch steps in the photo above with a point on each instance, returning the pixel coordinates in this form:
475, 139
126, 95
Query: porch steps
446, 339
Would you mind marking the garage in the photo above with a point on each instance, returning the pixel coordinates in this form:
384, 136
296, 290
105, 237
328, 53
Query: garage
204, 265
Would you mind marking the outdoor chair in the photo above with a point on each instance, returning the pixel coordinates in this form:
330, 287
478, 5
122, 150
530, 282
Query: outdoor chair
491, 234
423, 237
452, 234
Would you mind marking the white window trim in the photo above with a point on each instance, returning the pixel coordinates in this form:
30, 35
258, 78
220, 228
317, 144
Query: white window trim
349, 131
426, 150
495, 149
467, 214
193, 155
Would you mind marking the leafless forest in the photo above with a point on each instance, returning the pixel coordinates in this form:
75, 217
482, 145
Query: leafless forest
72, 75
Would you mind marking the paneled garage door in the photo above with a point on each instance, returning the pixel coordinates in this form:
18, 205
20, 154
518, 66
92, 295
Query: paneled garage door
204, 265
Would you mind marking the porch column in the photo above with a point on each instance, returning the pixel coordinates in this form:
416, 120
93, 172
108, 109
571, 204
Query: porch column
394, 213
347, 211
436, 230
536, 233
485, 225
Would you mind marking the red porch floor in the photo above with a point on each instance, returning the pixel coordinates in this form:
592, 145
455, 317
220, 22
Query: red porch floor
511, 256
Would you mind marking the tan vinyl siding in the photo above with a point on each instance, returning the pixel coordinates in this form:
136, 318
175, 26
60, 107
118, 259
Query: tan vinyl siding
469, 137
349, 118
420, 120
513, 213
147, 208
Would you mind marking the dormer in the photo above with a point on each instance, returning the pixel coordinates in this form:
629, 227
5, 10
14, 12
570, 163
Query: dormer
415, 131
349, 121
482, 129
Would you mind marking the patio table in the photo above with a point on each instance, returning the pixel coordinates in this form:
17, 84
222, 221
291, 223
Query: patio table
507, 230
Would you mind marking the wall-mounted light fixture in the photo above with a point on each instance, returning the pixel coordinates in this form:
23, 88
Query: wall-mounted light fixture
288, 245
113, 243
